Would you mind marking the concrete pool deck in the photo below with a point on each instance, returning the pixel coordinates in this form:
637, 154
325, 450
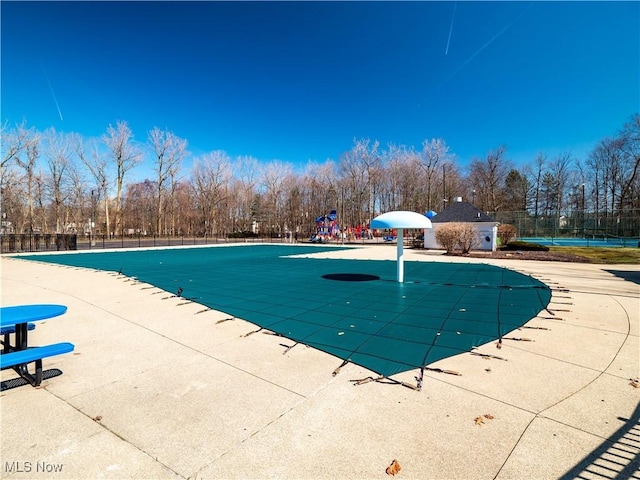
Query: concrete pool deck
159, 388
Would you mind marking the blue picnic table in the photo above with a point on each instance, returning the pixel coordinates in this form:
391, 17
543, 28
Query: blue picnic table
18, 320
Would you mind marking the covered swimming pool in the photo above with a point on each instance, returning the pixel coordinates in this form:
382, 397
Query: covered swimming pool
352, 309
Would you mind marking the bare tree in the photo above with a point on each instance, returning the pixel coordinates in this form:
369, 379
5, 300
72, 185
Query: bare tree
293, 192
433, 156
27, 160
10, 201
487, 178
552, 189
630, 150
169, 151
138, 206
174, 185
40, 204
273, 181
79, 210
560, 169
14, 142
359, 167
211, 177
453, 184
97, 166
58, 151
323, 192
185, 201
20, 149
125, 155
403, 179
394, 188
371, 160
246, 174
613, 169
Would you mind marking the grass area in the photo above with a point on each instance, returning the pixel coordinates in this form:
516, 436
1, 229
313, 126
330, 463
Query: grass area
619, 255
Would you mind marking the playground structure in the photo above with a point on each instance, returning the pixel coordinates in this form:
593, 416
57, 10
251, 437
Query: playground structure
326, 227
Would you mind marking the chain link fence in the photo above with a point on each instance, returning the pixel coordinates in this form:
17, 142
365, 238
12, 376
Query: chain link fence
578, 224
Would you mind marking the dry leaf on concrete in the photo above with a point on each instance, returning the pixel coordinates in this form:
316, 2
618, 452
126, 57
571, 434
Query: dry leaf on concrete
480, 420
635, 383
394, 468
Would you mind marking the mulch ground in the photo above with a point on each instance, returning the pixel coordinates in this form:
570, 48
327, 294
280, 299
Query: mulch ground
527, 255
543, 256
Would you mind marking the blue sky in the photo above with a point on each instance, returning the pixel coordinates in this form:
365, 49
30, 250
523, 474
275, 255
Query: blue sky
299, 81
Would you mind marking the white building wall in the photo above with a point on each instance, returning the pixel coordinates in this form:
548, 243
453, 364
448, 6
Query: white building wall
430, 237
487, 236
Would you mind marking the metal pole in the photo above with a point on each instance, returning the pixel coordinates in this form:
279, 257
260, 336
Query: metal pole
400, 255
584, 213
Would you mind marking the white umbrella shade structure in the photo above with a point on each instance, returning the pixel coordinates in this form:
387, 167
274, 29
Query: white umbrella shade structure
400, 220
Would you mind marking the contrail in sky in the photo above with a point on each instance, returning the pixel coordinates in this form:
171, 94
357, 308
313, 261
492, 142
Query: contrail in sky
453, 17
51, 90
491, 40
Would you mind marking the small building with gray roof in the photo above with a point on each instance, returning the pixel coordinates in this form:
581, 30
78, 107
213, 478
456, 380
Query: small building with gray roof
464, 212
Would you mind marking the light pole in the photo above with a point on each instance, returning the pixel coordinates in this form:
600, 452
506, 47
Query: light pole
343, 225
444, 186
584, 212
92, 241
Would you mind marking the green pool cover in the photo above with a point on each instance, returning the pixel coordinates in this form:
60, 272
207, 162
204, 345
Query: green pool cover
353, 309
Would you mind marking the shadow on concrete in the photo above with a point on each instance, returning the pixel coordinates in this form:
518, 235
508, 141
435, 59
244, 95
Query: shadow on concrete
617, 458
626, 275
19, 381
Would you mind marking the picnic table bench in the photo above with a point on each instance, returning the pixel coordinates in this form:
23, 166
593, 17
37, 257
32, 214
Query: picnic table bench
20, 359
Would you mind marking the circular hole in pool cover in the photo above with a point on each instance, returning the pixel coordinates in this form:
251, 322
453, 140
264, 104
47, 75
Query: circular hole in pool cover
351, 277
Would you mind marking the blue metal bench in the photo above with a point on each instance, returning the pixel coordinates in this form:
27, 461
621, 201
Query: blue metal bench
10, 330
19, 359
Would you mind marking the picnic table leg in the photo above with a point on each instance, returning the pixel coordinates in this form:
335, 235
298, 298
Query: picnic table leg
21, 336
22, 332
23, 371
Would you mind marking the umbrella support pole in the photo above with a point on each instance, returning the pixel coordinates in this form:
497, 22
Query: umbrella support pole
400, 255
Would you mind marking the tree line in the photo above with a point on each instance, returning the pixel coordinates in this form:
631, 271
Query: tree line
55, 182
